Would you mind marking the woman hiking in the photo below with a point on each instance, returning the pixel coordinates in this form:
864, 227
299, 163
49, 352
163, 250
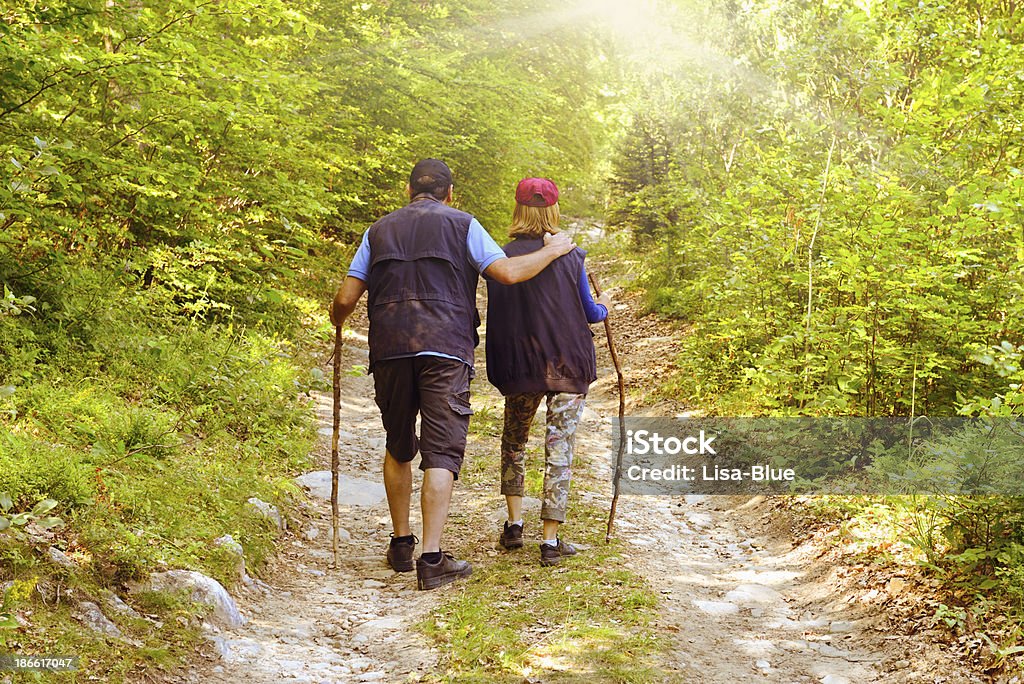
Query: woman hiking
540, 347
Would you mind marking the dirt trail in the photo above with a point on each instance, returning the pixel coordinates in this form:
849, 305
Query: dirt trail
739, 601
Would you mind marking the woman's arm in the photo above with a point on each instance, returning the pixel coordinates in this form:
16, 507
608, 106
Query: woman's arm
595, 311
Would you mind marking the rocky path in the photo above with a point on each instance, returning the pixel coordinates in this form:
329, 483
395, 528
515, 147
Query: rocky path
740, 603
312, 621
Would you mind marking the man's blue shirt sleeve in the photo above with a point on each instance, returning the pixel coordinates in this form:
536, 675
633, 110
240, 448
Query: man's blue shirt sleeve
483, 250
360, 267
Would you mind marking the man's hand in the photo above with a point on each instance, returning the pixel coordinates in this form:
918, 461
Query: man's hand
517, 269
605, 300
559, 244
345, 300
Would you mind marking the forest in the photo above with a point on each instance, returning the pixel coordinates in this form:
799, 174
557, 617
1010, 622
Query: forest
825, 198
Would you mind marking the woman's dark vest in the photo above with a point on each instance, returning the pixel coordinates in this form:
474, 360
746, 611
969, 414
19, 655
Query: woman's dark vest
422, 285
538, 339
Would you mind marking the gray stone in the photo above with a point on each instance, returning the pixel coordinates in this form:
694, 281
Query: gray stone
717, 607
372, 676
236, 650
830, 651
202, 589
373, 584
114, 603
237, 552
57, 557
352, 491
379, 625
746, 594
90, 615
310, 532
268, 511
289, 665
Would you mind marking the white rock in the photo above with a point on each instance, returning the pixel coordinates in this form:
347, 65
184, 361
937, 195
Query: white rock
236, 650
359, 664
763, 665
90, 615
237, 552
352, 491
373, 584
202, 589
310, 533
834, 679
114, 603
379, 625
716, 607
57, 557
753, 593
289, 665
268, 511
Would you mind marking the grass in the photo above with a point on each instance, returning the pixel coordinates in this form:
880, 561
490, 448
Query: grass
588, 619
151, 429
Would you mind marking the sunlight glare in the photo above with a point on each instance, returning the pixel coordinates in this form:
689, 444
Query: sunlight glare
632, 20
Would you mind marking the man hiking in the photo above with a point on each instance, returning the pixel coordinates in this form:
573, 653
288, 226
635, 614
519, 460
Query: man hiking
420, 266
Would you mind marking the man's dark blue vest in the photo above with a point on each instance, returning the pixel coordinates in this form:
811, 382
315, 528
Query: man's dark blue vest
538, 339
422, 285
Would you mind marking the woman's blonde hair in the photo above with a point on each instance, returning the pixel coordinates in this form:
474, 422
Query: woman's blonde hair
533, 222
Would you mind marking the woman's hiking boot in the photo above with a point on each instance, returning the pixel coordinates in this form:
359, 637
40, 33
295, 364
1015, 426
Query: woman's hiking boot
553, 555
511, 537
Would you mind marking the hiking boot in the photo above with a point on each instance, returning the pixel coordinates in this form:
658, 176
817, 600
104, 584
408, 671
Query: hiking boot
553, 555
432, 576
400, 554
511, 537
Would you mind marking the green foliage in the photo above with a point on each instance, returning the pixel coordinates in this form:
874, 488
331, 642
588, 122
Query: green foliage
831, 193
10, 521
181, 184
908, 248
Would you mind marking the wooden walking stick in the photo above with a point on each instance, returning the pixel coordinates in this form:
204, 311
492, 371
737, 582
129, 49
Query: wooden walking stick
334, 439
622, 416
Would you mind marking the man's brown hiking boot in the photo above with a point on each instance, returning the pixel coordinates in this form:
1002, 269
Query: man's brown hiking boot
400, 552
434, 575
553, 555
511, 537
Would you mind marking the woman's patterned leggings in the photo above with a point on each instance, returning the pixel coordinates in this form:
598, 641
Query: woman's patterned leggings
564, 412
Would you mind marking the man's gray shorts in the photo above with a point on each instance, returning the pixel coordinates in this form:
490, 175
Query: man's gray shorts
438, 390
